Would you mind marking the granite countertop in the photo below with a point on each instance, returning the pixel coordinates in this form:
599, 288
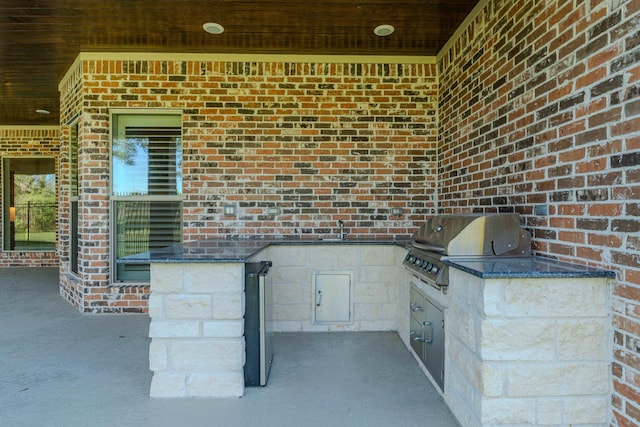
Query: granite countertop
529, 267
239, 250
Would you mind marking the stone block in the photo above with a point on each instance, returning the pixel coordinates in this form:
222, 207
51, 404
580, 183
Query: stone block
550, 411
380, 274
554, 379
463, 324
462, 359
291, 312
557, 298
493, 299
228, 307
213, 278
583, 339
188, 306
371, 293
586, 410
216, 385
168, 384
468, 290
493, 379
288, 293
534, 380
223, 328
348, 257
174, 328
291, 256
155, 303
166, 278
390, 311
508, 411
290, 274
325, 256
287, 326
158, 355
207, 355
367, 311
587, 378
377, 255
370, 325
463, 398
518, 340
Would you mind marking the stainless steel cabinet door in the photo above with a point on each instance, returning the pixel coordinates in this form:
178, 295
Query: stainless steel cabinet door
332, 297
417, 310
434, 342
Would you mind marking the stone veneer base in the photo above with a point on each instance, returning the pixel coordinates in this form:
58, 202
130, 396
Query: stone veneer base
527, 351
197, 344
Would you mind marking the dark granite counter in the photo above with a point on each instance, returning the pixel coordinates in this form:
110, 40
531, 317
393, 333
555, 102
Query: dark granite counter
237, 250
531, 267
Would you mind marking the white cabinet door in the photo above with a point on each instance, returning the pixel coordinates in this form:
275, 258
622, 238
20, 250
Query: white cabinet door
332, 297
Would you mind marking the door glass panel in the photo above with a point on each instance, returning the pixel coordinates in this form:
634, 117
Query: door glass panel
29, 204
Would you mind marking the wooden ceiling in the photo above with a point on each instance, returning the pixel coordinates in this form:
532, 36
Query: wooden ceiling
40, 39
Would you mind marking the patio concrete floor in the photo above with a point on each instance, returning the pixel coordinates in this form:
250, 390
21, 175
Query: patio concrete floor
59, 367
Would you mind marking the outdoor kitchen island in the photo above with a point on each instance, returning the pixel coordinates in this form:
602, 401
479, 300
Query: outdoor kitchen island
527, 339
196, 304
527, 342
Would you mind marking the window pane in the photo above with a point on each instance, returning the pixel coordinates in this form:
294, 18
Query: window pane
147, 156
73, 160
142, 226
74, 237
29, 202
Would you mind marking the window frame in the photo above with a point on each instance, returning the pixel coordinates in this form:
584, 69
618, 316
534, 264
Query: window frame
74, 197
114, 199
6, 213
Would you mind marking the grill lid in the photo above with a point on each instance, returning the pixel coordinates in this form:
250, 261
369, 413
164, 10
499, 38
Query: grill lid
496, 234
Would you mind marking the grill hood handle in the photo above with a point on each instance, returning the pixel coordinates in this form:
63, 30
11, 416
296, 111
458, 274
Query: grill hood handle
426, 246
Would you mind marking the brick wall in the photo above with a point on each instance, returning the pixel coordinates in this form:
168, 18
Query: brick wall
540, 105
321, 141
23, 142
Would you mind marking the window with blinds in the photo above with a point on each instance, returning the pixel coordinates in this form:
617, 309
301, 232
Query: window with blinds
73, 197
147, 156
146, 189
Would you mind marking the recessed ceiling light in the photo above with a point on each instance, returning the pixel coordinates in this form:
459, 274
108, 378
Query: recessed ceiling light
213, 28
383, 30
43, 111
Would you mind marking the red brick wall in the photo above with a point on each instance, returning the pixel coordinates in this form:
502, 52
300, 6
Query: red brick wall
540, 105
33, 141
320, 141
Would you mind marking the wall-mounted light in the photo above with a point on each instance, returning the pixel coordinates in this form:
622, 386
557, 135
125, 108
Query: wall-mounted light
229, 210
12, 214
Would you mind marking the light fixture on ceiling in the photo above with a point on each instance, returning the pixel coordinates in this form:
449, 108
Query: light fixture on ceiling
213, 28
383, 30
43, 111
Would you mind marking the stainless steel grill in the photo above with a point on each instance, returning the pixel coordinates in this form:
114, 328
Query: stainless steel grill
464, 236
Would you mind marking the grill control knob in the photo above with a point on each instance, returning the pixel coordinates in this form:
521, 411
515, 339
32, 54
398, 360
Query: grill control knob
435, 269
